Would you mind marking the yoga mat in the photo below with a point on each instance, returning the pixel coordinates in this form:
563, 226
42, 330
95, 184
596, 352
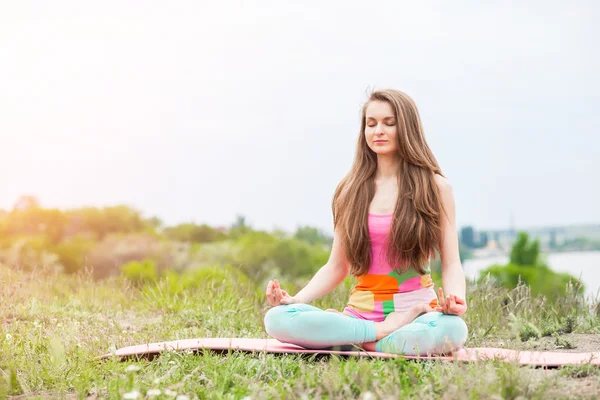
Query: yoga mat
534, 358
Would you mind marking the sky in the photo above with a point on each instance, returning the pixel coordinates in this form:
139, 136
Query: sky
201, 111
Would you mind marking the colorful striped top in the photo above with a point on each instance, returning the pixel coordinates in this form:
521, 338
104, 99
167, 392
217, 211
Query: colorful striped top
381, 290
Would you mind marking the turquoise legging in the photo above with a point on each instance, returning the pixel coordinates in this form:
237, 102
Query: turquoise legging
313, 328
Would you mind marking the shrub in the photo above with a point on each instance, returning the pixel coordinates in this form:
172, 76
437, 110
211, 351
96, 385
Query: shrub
110, 254
72, 253
194, 233
29, 253
140, 272
540, 278
524, 266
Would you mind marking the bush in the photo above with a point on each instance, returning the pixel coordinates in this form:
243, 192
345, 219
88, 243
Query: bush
28, 253
72, 253
110, 254
540, 278
524, 266
140, 272
194, 233
261, 254
204, 278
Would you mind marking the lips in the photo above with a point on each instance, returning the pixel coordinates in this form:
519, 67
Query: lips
380, 141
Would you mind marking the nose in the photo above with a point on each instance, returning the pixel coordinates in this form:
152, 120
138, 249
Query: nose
379, 131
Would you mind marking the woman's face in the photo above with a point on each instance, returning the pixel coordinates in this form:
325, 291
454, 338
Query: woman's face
381, 128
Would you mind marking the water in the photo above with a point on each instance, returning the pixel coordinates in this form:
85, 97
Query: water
581, 264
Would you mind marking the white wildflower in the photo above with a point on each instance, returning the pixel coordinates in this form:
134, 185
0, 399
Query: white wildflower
368, 396
153, 392
132, 368
170, 393
8, 337
134, 394
182, 397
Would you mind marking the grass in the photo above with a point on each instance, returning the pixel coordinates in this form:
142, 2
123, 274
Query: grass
54, 326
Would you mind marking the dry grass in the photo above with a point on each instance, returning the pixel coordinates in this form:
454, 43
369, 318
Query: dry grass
53, 326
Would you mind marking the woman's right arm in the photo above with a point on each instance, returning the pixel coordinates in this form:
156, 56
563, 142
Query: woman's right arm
327, 278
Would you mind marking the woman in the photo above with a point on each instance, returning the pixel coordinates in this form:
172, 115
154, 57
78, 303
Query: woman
391, 212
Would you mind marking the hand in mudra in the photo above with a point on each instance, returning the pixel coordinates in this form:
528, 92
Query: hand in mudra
277, 296
451, 305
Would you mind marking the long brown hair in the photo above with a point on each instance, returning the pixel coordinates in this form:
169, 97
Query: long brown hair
415, 231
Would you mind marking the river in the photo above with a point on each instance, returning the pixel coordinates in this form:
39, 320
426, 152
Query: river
581, 264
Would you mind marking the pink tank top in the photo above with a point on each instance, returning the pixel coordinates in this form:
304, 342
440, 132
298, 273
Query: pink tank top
381, 290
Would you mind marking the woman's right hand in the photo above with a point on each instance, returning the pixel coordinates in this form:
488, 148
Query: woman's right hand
277, 295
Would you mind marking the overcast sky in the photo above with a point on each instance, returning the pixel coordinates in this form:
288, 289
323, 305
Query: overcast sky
198, 112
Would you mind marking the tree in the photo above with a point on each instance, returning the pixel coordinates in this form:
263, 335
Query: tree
194, 233
239, 227
525, 253
524, 266
26, 202
105, 221
50, 223
312, 235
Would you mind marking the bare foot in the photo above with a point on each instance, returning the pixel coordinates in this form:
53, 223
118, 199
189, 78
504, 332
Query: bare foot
396, 320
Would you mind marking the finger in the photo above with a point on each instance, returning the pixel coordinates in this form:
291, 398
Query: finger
459, 309
452, 304
457, 306
271, 300
459, 300
447, 304
441, 296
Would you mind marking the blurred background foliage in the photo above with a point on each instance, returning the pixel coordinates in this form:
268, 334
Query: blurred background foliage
119, 241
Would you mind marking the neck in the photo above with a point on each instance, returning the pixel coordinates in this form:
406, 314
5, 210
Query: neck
387, 167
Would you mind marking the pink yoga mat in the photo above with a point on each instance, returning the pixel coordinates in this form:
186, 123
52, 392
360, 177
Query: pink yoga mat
535, 358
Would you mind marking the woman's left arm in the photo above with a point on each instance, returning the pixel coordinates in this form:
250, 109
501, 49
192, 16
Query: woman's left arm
453, 277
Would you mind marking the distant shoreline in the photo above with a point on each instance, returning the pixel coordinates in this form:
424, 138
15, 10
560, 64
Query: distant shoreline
501, 253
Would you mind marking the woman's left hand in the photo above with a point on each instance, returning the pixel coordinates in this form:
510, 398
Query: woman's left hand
451, 305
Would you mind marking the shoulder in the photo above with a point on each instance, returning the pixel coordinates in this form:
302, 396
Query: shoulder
443, 184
